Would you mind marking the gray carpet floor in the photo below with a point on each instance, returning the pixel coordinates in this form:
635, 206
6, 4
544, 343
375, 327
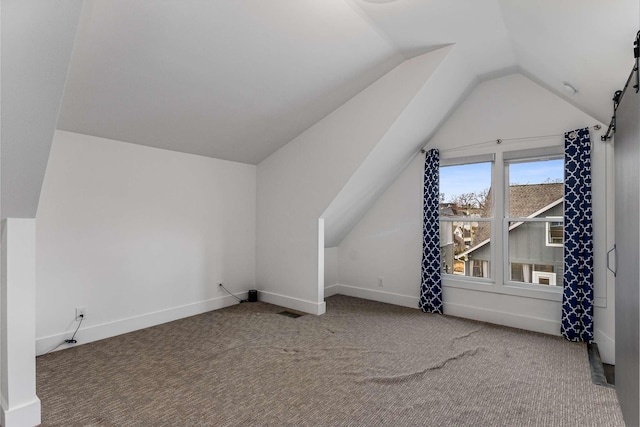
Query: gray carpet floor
362, 364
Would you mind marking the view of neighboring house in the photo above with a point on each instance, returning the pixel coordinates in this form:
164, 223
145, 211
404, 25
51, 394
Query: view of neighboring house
535, 245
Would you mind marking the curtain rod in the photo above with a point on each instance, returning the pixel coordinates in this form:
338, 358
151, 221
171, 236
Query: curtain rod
617, 96
501, 140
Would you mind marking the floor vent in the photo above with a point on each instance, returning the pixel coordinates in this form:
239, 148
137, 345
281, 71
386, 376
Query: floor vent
290, 314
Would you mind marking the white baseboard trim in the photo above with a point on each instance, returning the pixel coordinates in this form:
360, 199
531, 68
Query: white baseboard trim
458, 310
330, 290
513, 320
293, 303
606, 347
28, 414
118, 327
376, 295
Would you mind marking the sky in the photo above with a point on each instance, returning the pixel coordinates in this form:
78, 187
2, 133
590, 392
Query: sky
475, 177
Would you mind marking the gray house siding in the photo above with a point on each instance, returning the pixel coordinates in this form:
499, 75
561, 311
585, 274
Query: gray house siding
527, 245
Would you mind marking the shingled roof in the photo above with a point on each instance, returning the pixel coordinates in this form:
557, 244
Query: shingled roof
525, 200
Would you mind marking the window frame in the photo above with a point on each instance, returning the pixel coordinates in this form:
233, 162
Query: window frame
499, 282
518, 157
535, 274
548, 231
468, 160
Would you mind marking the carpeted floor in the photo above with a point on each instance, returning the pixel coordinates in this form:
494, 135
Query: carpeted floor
362, 364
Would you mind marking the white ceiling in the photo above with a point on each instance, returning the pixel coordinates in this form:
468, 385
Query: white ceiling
36, 41
237, 80
228, 79
588, 43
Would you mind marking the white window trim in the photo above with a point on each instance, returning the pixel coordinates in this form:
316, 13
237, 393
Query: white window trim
464, 269
499, 283
547, 235
513, 157
500, 159
467, 160
537, 275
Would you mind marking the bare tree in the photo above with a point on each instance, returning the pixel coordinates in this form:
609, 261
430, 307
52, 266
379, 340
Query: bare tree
472, 200
463, 200
553, 181
482, 198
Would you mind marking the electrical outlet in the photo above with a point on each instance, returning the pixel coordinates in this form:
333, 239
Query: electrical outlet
81, 312
380, 281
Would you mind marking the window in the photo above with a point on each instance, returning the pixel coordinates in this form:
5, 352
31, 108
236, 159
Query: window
534, 216
465, 219
528, 273
543, 278
555, 233
527, 219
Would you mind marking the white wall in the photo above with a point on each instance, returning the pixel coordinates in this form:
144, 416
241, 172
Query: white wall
387, 241
330, 267
139, 236
446, 87
299, 182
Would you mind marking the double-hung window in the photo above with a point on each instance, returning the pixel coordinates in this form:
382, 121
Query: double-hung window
524, 230
534, 223
466, 214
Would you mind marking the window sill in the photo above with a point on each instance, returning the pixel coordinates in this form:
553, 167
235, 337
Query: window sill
529, 290
511, 288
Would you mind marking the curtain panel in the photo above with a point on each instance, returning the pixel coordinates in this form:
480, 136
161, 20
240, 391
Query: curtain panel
577, 301
431, 288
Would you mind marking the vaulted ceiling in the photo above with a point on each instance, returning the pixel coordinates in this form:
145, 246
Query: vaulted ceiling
237, 80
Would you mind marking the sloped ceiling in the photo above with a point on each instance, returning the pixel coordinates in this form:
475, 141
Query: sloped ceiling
37, 41
586, 43
229, 79
239, 79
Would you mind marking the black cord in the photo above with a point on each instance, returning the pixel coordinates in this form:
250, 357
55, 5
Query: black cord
636, 55
222, 286
72, 340
53, 348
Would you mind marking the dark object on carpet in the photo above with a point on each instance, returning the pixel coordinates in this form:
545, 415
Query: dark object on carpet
290, 314
252, 295
363, 363
610, 373
595, 363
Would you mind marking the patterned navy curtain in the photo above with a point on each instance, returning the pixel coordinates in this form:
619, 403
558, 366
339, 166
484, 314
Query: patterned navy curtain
431, 288
577, 301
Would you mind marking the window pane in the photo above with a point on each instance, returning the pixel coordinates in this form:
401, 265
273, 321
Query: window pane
465, 190
531, 259
466, 248
535, 187
536, 190
555, 233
